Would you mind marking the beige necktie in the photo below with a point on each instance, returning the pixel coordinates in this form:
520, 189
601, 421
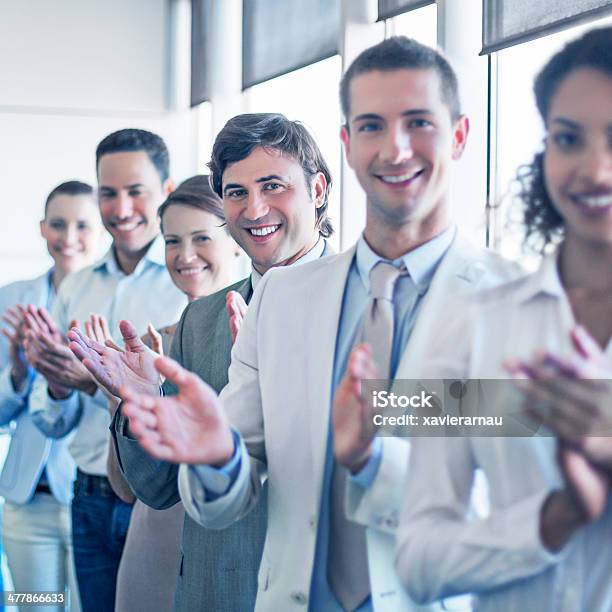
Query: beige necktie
378, 319
347, 557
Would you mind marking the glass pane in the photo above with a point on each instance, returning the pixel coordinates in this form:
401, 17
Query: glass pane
420, 24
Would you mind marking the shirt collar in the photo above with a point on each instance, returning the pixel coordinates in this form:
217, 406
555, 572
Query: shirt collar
155, 254
545, 280
312, 255
421, 263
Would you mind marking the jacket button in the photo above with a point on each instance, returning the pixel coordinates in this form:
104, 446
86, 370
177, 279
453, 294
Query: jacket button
312, 522
299, 598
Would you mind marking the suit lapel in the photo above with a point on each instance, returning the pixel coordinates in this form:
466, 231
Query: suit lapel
245, 289
323, 307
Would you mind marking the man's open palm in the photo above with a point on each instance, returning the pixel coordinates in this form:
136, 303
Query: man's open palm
189, 427
132, 367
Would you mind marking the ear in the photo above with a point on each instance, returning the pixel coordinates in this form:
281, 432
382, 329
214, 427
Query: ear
168, 186
460, 134
319, 188
345, 137
43, 229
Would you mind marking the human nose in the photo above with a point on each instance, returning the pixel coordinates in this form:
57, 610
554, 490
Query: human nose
123, 206
186, 251
257, 207
397, 146
71, 234
596, 163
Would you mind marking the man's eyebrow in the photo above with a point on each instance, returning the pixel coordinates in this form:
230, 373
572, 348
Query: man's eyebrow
232, 186
406, 113
367, 116
271, 177
567, 123
134, 186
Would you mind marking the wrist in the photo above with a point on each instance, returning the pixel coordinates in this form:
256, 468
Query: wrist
89, 387
560, 518
357, 464
18, 378
58, 392
227, 452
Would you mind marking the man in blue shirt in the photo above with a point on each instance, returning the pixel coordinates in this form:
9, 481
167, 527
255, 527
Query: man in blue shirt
403, 131
133, 175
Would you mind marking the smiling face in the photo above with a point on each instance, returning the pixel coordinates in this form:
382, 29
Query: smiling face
72, 230
130, 192
200, 254
578, 156
269, 209
400, 142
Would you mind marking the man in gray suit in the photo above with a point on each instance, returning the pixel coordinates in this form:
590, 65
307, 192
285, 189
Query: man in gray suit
275, 185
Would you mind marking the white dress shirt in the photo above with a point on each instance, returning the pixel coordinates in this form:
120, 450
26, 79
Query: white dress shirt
145, 296
440, 551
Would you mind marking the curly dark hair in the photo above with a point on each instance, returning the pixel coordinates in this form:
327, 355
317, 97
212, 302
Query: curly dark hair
544, 226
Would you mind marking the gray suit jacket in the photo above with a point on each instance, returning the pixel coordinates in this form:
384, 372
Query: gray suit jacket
218, 569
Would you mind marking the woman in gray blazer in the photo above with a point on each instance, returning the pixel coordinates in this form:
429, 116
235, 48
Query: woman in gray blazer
200, 256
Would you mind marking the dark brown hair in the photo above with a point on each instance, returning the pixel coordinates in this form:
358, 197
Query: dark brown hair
402, 53
195, 192
244, 133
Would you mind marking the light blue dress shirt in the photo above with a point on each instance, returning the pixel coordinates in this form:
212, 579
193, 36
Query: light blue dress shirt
147, 295
421, 265
32, 458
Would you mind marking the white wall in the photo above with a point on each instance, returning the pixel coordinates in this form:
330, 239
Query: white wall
73, 71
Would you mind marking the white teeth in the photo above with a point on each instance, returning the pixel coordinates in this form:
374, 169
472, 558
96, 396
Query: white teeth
68, 252
595, 201
264, 231
399, 178
190, 271
126, 227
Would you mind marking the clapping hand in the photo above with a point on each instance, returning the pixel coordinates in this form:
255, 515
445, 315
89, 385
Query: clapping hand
353, 418
189, 427
47, 352
573, 396
15, 334
236, 310
112, 366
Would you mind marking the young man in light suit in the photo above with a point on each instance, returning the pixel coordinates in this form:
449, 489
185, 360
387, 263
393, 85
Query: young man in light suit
403, 131
275, 186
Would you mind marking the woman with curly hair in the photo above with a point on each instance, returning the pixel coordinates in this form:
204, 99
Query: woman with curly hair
544, 544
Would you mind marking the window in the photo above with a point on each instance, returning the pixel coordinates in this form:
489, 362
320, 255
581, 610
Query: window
519, 132
309, 95
420, 24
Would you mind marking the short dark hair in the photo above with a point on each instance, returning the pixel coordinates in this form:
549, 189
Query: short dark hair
543, 224
71, 188
195, 192
402, 53
137, 140
244, 133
